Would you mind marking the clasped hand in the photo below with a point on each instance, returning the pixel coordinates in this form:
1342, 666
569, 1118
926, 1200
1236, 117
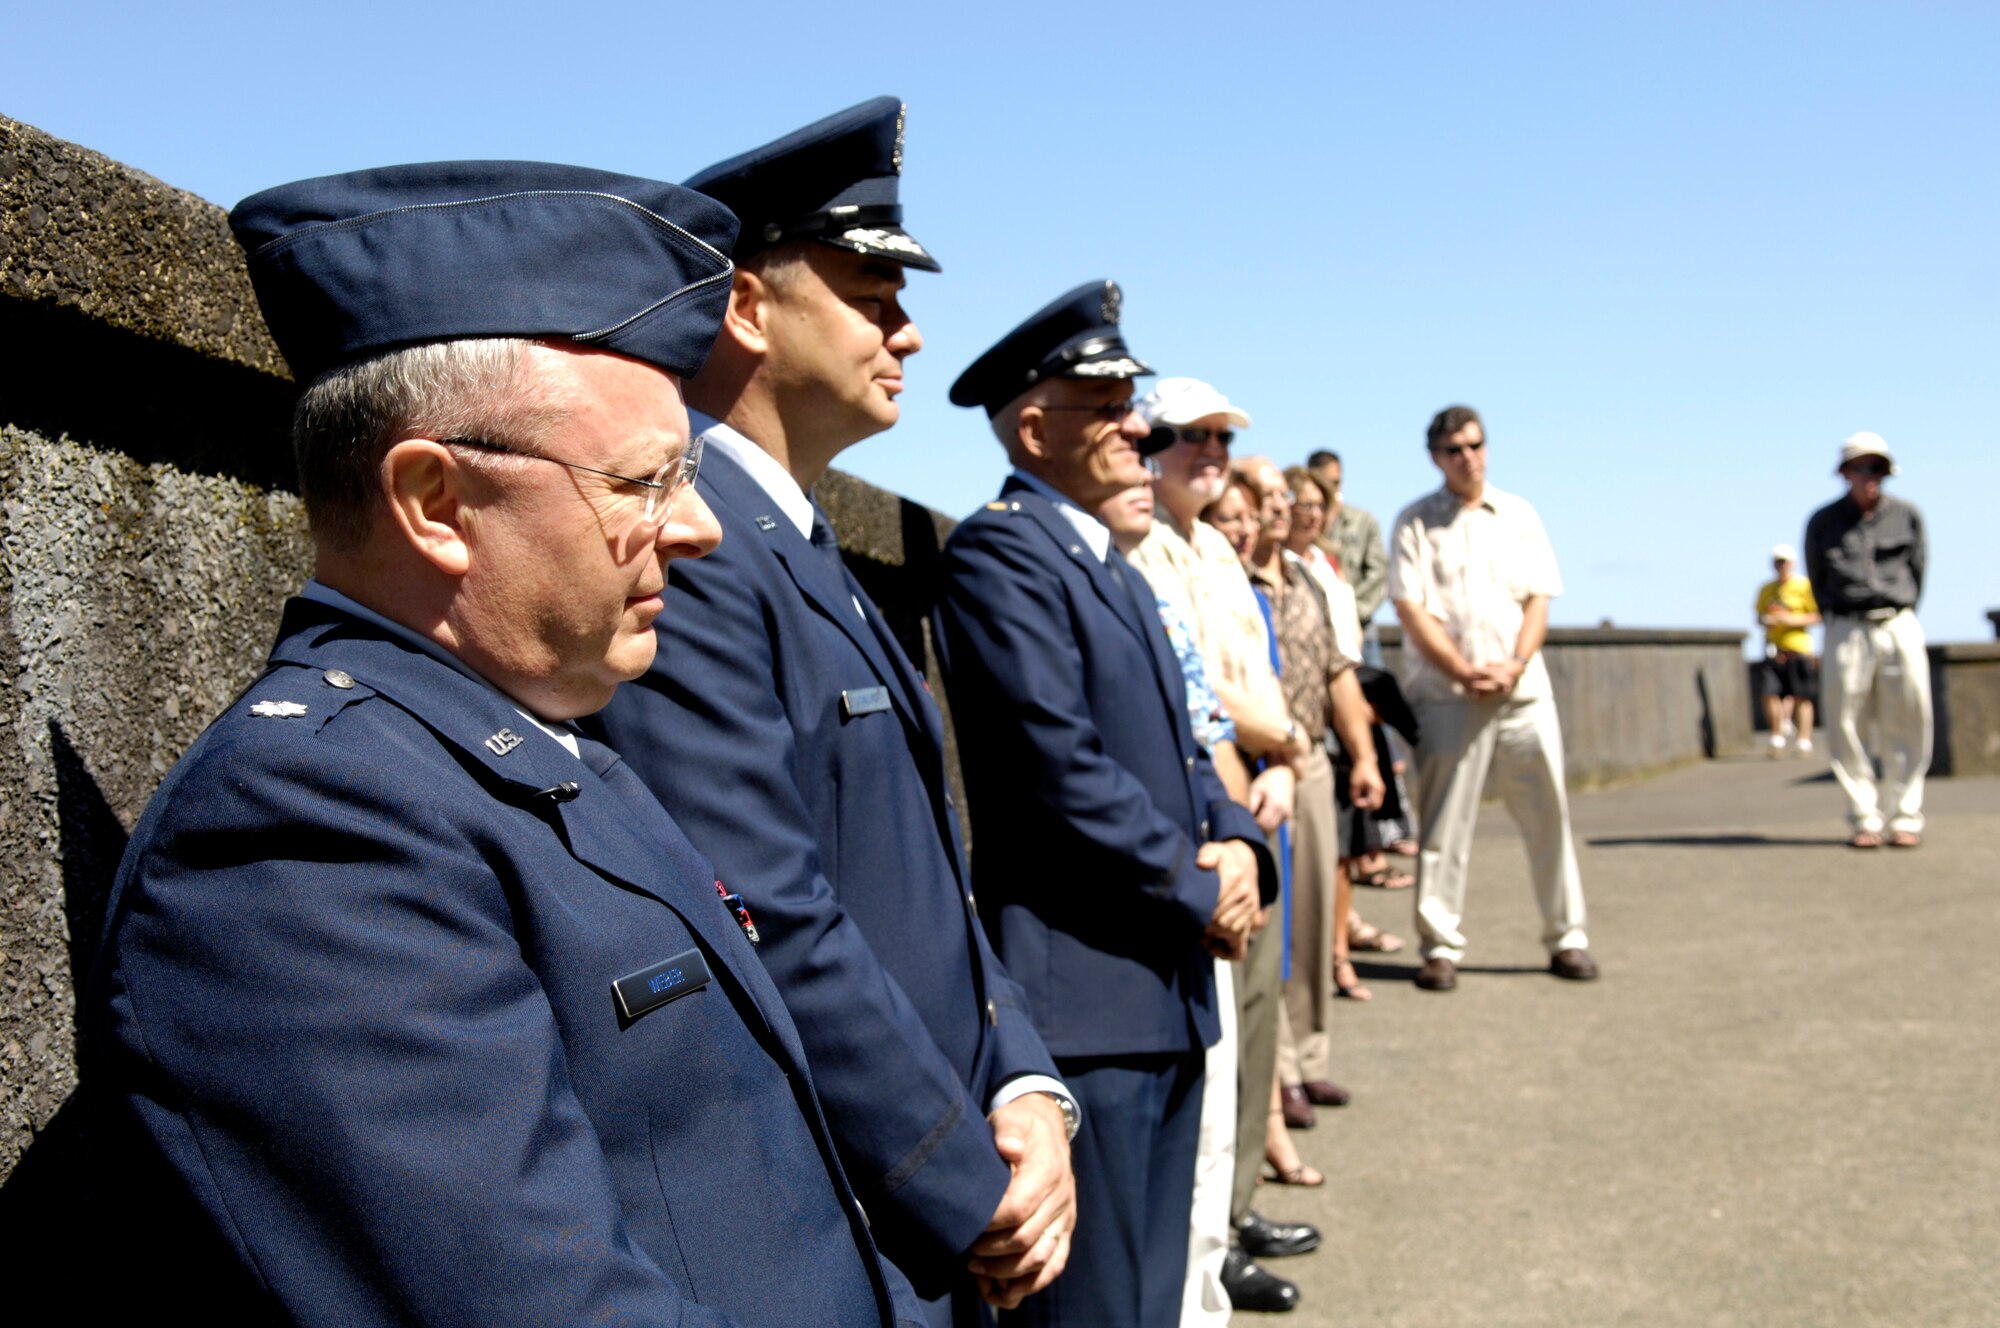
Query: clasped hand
1237, 902
1026, 1245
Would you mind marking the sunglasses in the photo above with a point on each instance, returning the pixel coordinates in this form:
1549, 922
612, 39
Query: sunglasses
1457, 450
1872, 469
1167, 435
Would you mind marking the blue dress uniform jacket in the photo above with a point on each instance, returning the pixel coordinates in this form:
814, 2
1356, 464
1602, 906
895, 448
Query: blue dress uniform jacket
793, 741
354, 1018
1089, 793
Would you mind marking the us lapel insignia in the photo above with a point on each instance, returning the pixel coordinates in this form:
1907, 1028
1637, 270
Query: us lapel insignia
766, 523
506, 740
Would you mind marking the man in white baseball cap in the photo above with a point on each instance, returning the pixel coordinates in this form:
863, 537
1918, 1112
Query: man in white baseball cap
1865, 554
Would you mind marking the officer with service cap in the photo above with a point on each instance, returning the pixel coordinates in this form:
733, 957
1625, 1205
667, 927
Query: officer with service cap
1111, 863
822, 794
412, 1005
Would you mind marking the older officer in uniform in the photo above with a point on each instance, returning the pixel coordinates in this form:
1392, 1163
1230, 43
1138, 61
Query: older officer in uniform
1112, 862
821, 793
413, 1006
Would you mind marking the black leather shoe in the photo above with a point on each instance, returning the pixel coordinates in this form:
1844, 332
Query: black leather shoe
1298, 1108
1261, 1238
1251, 1288
1576, 965
1437, 974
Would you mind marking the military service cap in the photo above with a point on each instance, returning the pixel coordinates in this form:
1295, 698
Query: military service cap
1074, 337
834, 181
349, 265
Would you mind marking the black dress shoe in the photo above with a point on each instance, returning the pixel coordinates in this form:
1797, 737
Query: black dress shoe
1323, 1094
1261, 1238
1298, 1108
1251, 1288
1576, 965
1437, 974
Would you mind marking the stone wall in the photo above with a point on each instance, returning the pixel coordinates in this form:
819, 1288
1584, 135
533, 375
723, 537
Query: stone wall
1635, 702
1965, 709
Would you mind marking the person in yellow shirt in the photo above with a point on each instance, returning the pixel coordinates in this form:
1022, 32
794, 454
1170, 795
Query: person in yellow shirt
1786, 609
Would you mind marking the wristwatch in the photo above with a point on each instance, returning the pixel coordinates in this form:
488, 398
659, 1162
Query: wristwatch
1072, 1120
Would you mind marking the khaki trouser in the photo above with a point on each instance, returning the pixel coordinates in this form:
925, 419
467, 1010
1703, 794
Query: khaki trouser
1257, 1009
1305, 1043
1521, 742
1879, 673
1203, 1300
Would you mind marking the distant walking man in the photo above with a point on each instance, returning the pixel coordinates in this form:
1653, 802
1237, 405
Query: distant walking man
1865, 555
1785, 607
1471, 574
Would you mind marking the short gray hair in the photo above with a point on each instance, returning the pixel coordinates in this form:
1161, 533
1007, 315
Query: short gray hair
350, 417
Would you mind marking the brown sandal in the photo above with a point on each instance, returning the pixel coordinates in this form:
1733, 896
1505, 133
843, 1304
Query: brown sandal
1309, 1177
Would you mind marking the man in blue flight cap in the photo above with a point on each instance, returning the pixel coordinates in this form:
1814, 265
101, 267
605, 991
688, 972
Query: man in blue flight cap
821, 791
412, 1005
1112, 862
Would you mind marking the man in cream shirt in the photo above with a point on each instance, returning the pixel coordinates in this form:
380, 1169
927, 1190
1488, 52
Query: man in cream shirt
1471, 574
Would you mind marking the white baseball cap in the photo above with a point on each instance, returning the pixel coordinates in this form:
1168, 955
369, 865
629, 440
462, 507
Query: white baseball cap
1784, 553
1182, 401
1863, 444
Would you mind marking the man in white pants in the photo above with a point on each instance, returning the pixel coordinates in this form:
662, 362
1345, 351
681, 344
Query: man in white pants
1865, 555
1471, 574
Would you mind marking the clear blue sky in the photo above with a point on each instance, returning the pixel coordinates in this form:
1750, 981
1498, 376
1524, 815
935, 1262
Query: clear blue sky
1674, 253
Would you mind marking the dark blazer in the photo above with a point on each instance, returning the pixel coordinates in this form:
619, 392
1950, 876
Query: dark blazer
1089, 793
795, 744
353, 1021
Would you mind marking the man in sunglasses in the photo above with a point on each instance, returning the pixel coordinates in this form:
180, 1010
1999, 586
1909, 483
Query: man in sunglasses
1865, 556
821, 794
413, 1006
1471, 574
1111, 863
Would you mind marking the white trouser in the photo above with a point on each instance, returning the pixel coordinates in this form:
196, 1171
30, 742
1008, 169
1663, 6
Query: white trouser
1879, 673
1204, 1302
1521, 741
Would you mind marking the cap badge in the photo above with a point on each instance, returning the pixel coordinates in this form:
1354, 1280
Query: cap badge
896, 158
1114, 300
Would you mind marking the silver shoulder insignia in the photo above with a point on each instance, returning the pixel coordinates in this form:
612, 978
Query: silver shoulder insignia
506, 740
278, 709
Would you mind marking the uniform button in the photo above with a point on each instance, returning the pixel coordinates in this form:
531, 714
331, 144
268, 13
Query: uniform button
971, 904
1190, 765
339, 678
992, 1013
1204, 831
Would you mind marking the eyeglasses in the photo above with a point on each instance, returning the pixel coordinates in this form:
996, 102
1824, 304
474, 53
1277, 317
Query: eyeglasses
1110, 412
1457, 450
1871, 469
674, 475
1197, 434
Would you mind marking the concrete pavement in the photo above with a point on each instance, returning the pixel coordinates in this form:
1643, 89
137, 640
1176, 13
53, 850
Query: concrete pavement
1780, 1105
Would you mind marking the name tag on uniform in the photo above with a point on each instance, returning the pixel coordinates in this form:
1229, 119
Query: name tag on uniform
864, 701
657, 984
